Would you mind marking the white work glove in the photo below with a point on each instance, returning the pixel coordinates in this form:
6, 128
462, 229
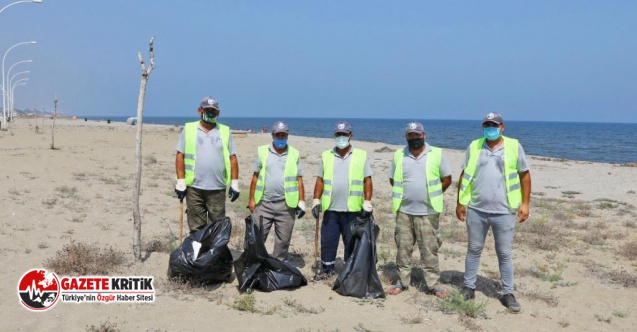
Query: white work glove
367, 206
233, 192
180, 189
316, 207
300, 210
367, 210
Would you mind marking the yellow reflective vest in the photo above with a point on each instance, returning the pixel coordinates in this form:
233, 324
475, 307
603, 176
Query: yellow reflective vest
511, 176
190, 150
290, 176
434, 185
356, 179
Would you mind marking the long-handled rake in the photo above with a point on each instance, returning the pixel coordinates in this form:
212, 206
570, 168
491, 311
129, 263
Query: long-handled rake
316, 236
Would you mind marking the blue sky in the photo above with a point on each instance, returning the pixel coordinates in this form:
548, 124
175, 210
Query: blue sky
529, 60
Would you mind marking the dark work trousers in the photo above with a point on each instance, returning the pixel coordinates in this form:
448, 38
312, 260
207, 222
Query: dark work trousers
335, 224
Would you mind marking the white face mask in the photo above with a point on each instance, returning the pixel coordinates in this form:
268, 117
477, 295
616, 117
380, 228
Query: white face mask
342, 142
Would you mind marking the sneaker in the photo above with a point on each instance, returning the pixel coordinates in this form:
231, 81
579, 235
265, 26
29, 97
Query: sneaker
323, 276
468, 293
509, 301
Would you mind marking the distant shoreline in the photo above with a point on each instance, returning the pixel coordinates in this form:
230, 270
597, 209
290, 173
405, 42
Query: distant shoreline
568, 141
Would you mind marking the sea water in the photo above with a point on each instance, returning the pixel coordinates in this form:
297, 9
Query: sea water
597, 142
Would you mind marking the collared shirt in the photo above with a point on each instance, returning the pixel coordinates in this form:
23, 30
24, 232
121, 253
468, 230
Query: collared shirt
488, 189
340, 181
274, 174
415, 194
209, 165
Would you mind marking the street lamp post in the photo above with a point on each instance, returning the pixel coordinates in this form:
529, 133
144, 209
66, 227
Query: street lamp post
11, 80
17, 2
4, 85
17, 63
12, 101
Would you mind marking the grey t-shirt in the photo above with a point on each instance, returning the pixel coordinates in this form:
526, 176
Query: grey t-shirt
275, 166
415, 195
340, 182
488, 189
209, 165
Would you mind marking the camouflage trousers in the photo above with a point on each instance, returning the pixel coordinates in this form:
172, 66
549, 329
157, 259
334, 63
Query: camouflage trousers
421, 230
204, 206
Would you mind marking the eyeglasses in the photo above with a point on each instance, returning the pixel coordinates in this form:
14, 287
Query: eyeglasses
490, 124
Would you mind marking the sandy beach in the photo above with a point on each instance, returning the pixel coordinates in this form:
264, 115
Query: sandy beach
575, 258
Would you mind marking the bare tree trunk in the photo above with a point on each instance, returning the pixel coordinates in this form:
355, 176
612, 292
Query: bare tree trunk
55, 113
137, 220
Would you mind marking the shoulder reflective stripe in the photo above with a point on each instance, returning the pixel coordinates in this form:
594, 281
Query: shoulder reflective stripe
512, 176
258, 188
397, 195
514, 187
433, 182
290, 178
291, 189
463, 187
435, 193
357, 182
466, 176
189, 156
356, 193
398, 183
326, 192
190, 167
329, 182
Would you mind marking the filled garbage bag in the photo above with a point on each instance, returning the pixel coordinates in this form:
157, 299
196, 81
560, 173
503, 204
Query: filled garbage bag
204, 256
256, 269
359, 277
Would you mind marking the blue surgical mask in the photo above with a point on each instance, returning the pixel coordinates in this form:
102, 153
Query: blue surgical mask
491, 133
280, 143
342, 142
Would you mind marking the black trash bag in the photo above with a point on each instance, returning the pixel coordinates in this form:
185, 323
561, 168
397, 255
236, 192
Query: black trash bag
213, 263
359, 277
256, 269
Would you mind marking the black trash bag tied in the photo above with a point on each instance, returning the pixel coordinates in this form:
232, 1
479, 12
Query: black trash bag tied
359, 277
204, 256
256, 269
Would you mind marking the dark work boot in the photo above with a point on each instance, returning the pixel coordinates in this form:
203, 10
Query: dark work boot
509, 301
468, 293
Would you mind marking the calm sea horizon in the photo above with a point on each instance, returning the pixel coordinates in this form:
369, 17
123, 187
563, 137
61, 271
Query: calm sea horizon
595, 142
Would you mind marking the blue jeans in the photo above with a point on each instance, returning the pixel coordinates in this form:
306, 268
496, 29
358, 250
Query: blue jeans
335, 224
503, 227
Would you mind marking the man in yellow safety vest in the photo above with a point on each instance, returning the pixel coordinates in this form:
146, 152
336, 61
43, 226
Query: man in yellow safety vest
276, 192
343, 189
419, 176
206, 163
495, 186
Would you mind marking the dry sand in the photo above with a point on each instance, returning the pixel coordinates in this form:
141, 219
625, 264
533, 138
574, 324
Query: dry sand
574, 258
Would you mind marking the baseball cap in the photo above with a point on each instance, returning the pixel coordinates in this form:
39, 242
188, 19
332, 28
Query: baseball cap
280, 127
493, 117
414, 127
342, 127
209, 102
